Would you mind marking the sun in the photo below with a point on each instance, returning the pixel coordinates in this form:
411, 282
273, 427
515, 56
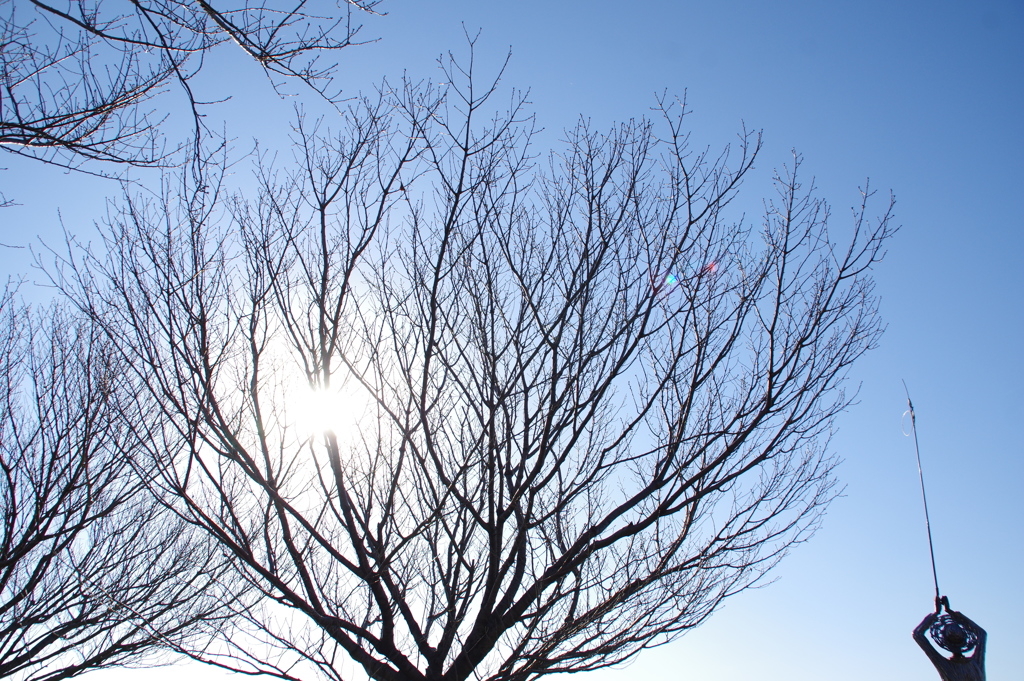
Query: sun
318, 410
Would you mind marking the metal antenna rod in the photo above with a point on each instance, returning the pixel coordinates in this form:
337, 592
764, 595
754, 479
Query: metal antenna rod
924, 497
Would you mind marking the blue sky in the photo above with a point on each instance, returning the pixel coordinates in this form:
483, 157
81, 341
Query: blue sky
925, 98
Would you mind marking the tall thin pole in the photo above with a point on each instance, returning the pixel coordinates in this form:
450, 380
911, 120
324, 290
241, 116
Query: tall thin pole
924, 497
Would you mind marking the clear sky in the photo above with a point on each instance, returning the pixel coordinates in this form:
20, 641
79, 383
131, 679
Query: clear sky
926, 99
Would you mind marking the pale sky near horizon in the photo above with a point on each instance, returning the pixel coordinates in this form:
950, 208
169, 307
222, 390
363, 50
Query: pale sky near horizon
926, 99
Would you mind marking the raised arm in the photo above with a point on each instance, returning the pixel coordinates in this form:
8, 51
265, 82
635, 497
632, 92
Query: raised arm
937, 659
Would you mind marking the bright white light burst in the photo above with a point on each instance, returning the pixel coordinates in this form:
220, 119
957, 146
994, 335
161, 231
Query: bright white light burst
318, 411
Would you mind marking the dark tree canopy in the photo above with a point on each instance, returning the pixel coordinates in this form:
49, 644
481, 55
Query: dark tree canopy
93, 572
575, 402
77, 78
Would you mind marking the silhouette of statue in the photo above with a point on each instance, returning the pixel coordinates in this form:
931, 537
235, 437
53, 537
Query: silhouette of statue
955, 632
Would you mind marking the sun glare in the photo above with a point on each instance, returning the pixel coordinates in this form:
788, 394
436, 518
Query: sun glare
333, 410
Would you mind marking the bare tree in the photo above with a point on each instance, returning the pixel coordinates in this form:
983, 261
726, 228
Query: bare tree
77, 78
575, 405
92, 572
